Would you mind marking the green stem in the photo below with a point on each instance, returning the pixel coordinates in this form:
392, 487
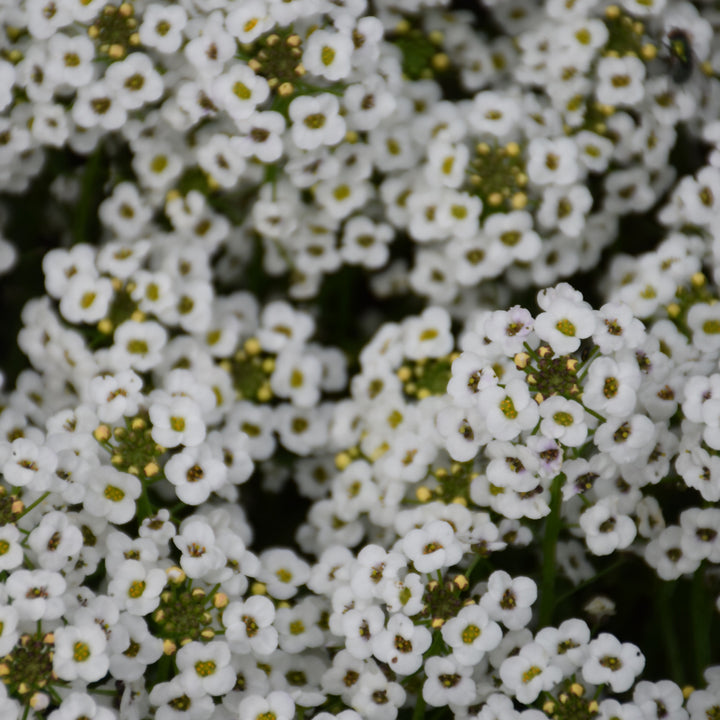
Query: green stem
419, 710
531, 352
85, 207
582, 368
668, 622
594, 414
144, 506
701, 618
590, 581
32, 506
477, 561
549, 548
54, 695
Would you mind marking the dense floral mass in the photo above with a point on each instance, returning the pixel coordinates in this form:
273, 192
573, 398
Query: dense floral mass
375, 372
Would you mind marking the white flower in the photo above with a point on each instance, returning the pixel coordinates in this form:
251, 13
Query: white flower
512, 466
432, 547
205, 668
86, 299
620, 80
446, 163
666, 555
376, 697
116, 395
80, 705
508, 410
617, 328
29, 464
663, 699
471, 634
701, 533
97, 106
509, 600
37, 594
281, 324
474, 260
613, 662
11, 551
565, 209
405, 595
359, 626
606, 529
111, 494
530, 672
552, 161
610, 387
494, 114
626, 440
7, 80
134, 81
209, 51
463, 431
703, 320
610, 709
200, 553
402, 644
239, 91
448, 682
45, 17
283, 572
470, 375
249, 625
177, 422
298, 626
367, 104
80, 653
248, 21
55, 541
511, 234
278, 705
70, 60
136, 588
566, 645
138, 345
563, 420
261, 136
167, 696
594, 151
196, 472
328, 54
703, 703
131, 653
565, 323
316, 121
162, 27
354, 491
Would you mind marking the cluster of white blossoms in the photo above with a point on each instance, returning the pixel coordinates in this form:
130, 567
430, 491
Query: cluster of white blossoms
223, 186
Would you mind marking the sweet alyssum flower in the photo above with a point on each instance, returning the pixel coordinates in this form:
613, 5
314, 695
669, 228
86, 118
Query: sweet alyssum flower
80, 653
402, 644
508, 410
529, 672
471, 634
249, 625
613, 662
509, 600
136, 588
432, 547
205, 668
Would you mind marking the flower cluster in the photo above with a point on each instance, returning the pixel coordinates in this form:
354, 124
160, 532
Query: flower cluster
376, 369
